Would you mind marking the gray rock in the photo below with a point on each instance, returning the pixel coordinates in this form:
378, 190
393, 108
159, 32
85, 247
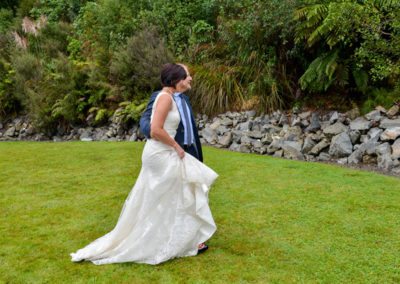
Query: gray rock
308, 144
222, 129
246, 140
381, 109
364, 138
245, 126
305, 115
354, 136
383, 149
86, 139
255, 134
1, 125
57, 139
133, 137
283, 120
227, 121
357, 155
239, 148
292, 150
256, 126
236, 135
319, 147
334, 117
210, 135
304, 123
250, 113
341, 146
342, 161
360, 123
225, 140
10, 132
269, 128
215, 124
120, 130
374, 115
396, 170
85, 134
335, 129
278, 154
275, 145
385, 162
257, 143
314, 123
309, 158
396, 149
390, 134
111, 133
296, 121
323, 157
389, 123
267, 138
374, 133
392, 111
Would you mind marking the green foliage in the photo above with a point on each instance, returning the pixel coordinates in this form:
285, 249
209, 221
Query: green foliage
9, 104
57, 10
243, 54
132, 110
364, 36
51, 40
136, 66
6, 19
381, 97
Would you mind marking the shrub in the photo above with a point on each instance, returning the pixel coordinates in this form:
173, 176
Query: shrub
135, 67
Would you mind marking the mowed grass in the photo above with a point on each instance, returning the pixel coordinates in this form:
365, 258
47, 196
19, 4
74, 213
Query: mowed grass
279, 221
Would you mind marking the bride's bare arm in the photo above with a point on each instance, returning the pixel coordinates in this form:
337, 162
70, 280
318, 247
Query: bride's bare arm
157, 131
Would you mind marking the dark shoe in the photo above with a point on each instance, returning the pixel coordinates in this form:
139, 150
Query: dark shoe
203, 249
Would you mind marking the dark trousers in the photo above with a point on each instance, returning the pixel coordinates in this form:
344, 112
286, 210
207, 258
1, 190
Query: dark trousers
191, 150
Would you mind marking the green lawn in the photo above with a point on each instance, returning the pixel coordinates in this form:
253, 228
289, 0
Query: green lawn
279, 221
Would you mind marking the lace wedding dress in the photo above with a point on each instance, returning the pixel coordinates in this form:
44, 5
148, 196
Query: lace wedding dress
166, 214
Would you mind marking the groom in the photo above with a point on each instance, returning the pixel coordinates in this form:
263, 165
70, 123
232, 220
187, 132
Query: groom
186, 136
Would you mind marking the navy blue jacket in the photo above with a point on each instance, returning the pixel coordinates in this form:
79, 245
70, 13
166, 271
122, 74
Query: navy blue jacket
179, 138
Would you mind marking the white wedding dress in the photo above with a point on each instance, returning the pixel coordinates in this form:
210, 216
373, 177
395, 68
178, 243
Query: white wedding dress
166, 214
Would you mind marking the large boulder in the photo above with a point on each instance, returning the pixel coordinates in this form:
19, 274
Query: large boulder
308, 144
335, 129
292, 150
360, 123
225, 140
374, 115
319, 147
394, 110
10, 132
209, 135
341, 146
389, 123
390, 134
396, 149
384, 160
314, 123
357, 155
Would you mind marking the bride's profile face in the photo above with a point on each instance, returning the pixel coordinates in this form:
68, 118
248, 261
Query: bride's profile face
185, 84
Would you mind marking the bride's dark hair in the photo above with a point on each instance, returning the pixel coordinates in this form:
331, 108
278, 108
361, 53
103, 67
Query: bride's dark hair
171, 74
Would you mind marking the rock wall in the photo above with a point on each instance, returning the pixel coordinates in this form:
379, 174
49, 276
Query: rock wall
345, 138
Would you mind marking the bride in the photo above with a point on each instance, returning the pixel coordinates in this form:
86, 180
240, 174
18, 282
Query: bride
166, 214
